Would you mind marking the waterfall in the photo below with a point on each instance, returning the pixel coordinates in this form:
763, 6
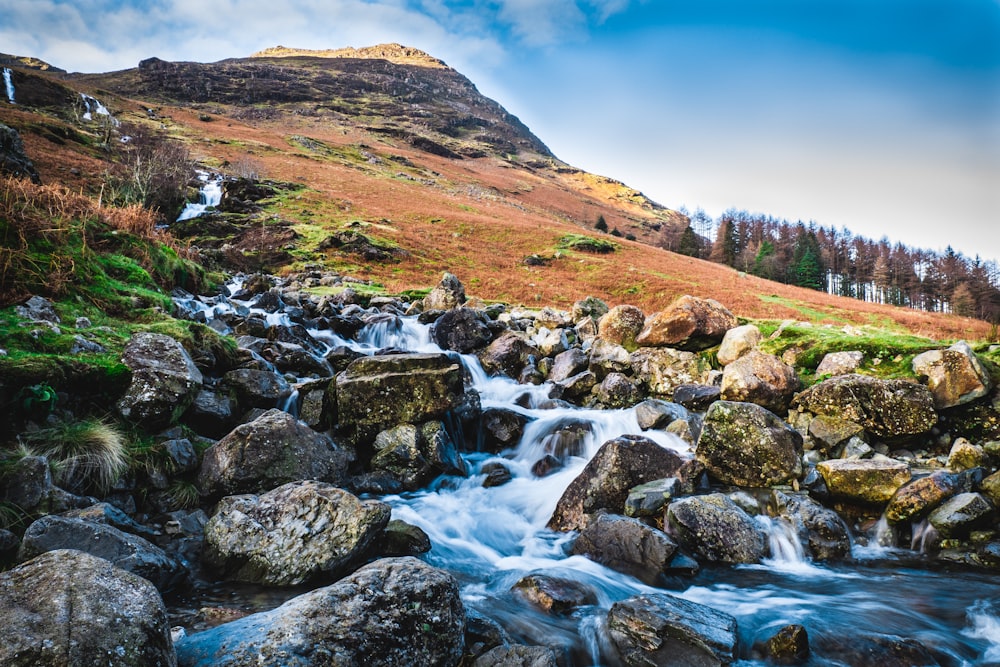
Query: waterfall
92, 105
8, 82
209, 196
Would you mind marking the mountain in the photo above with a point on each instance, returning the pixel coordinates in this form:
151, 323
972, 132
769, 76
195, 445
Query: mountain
391, 144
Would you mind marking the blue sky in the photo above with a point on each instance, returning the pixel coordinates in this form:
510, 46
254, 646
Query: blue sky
882, 116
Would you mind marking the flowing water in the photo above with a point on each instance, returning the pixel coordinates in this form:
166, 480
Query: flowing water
92, 105
491, 537
209, 195
8, 82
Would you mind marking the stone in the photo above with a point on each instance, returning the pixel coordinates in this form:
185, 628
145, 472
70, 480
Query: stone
70, 608
689, 323
991, 487
554, 595
569, 363
395, 611
621, 325
13, 160
508, 355
839, 363
449, 293
272, 450
129, 552
954, 376
696, 396
181, 455
292, 534
590, 307
831, 432
856, 448
651, 498
608, 357
866, 481
257, 388
788, 646
885, 408
578, 387
824, 534
714, 528
604, 483
402, 539
617, 391
462, 330
915, 499
27, 484
964, 455
164, 380
501, 429
497, 474
760, 378
746, 445
627, 545
662, 629
866, 649
662, 370
416, 454
517, 655
553, 343
212, 413
654, 413
961, 513
738, 341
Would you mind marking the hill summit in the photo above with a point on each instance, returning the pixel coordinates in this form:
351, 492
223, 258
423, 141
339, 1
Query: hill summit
394, 53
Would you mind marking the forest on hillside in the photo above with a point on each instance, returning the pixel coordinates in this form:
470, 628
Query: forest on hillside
839, 262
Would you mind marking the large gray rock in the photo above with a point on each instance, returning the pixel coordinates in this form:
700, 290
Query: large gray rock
462, 330
554, 595
865, 481
716, 529
508, 355
393, 612
617, 391
164, 381
273, 449
517, 655
604, 483
27, 484
569, 363
746, 445
415, 454
840, 363
72, 609
737, 342
760, 378
627, 545
13, 160
961, 513
954, 376
821, 530
662, 629
291, 534
502, 428
449, 293
129, 552
38, 309
661, 370
256, 388
689, 323
656, 414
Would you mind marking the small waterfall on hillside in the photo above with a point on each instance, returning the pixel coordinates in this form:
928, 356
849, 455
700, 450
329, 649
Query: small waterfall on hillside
92, 105
8, 82
209, 196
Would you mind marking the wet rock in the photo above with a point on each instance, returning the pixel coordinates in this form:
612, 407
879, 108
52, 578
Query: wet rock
448, 294
257, 388
832, 432
569, 363
578, 387
915, 499
291, 534
964, 455
961, 513
839, 363
9, 544
991, 487
502, 428
619, 465
565, 438
617, 391
546, 465
662, 370
273, 449
621, 325
864, 649
27, 484
13, 160
508, 354
662, 629
656, 414
497, 474
696, 396
627, 545
746, 445
824, 534
402, 539
462, 330
395, 611
866, 481
760, 378
70, 608
651, 498
885, 408
164, 381
714, 528
954, 376
738, 341
416, 454
554, 595
482, 633
789, 646
689, 323
517, 655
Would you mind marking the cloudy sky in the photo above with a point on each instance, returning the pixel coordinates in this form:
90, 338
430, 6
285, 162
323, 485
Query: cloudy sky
881, 116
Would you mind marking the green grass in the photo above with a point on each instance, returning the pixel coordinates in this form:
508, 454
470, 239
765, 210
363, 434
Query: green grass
586, 244
86, 456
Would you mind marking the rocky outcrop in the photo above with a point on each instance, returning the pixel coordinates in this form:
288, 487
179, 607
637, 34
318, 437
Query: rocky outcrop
716, 529
689, 323
70, 608
164, 382
395, 611
954, 376
272, 450
13, 160
291, 534
760, 378
746, 445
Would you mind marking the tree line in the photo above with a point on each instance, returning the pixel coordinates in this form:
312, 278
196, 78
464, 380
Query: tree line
839, 262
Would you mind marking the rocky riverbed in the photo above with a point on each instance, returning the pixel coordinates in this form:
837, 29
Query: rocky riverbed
434, 481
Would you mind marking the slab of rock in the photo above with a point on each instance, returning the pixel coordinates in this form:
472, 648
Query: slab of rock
273, 449
461, 330
965, 455
788, 646
915, 499
27, 484
961, 513
291, 534
689, 323
716, 529
663, 629
554, 595
395, 611
70, 608
604, 483
164, 381
866, 649
867, 481
954, 376
627, 545
737, 342
746, 445
621, 325
840, 363
760, 378
590, 307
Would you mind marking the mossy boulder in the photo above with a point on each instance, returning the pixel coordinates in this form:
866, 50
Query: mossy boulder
716, 529
747, 445
954, 376
164, 382
865, 481
621, 325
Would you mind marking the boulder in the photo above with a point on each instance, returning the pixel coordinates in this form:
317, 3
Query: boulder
885, 408
961, 513
662, 370
212, 413
273, 449
129, 552
70, 608
517, 655
824, 534
746, 445
27, 484
402, 539
508, 355
689, 323
608, 357
448, 294
164, 380
915, 499
621, 325
627, 545
415, 454
395, 611
788, 646
13, 160
651, 498
38, 309
256, 388
866, 649
591, 307
577, 388
292, 534
696, 396
716, 529
662, 629
617, 391
656, 414
569, 363
839, 363
866, 481
760, 378
497, 474
954, 376
461, 330
964, 455
553, 343
604, 483
829, 433
738, 341
502, 429
554, 595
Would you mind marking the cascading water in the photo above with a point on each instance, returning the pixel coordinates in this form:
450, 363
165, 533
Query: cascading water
209, 196
489, 538
8, 82
92, 105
